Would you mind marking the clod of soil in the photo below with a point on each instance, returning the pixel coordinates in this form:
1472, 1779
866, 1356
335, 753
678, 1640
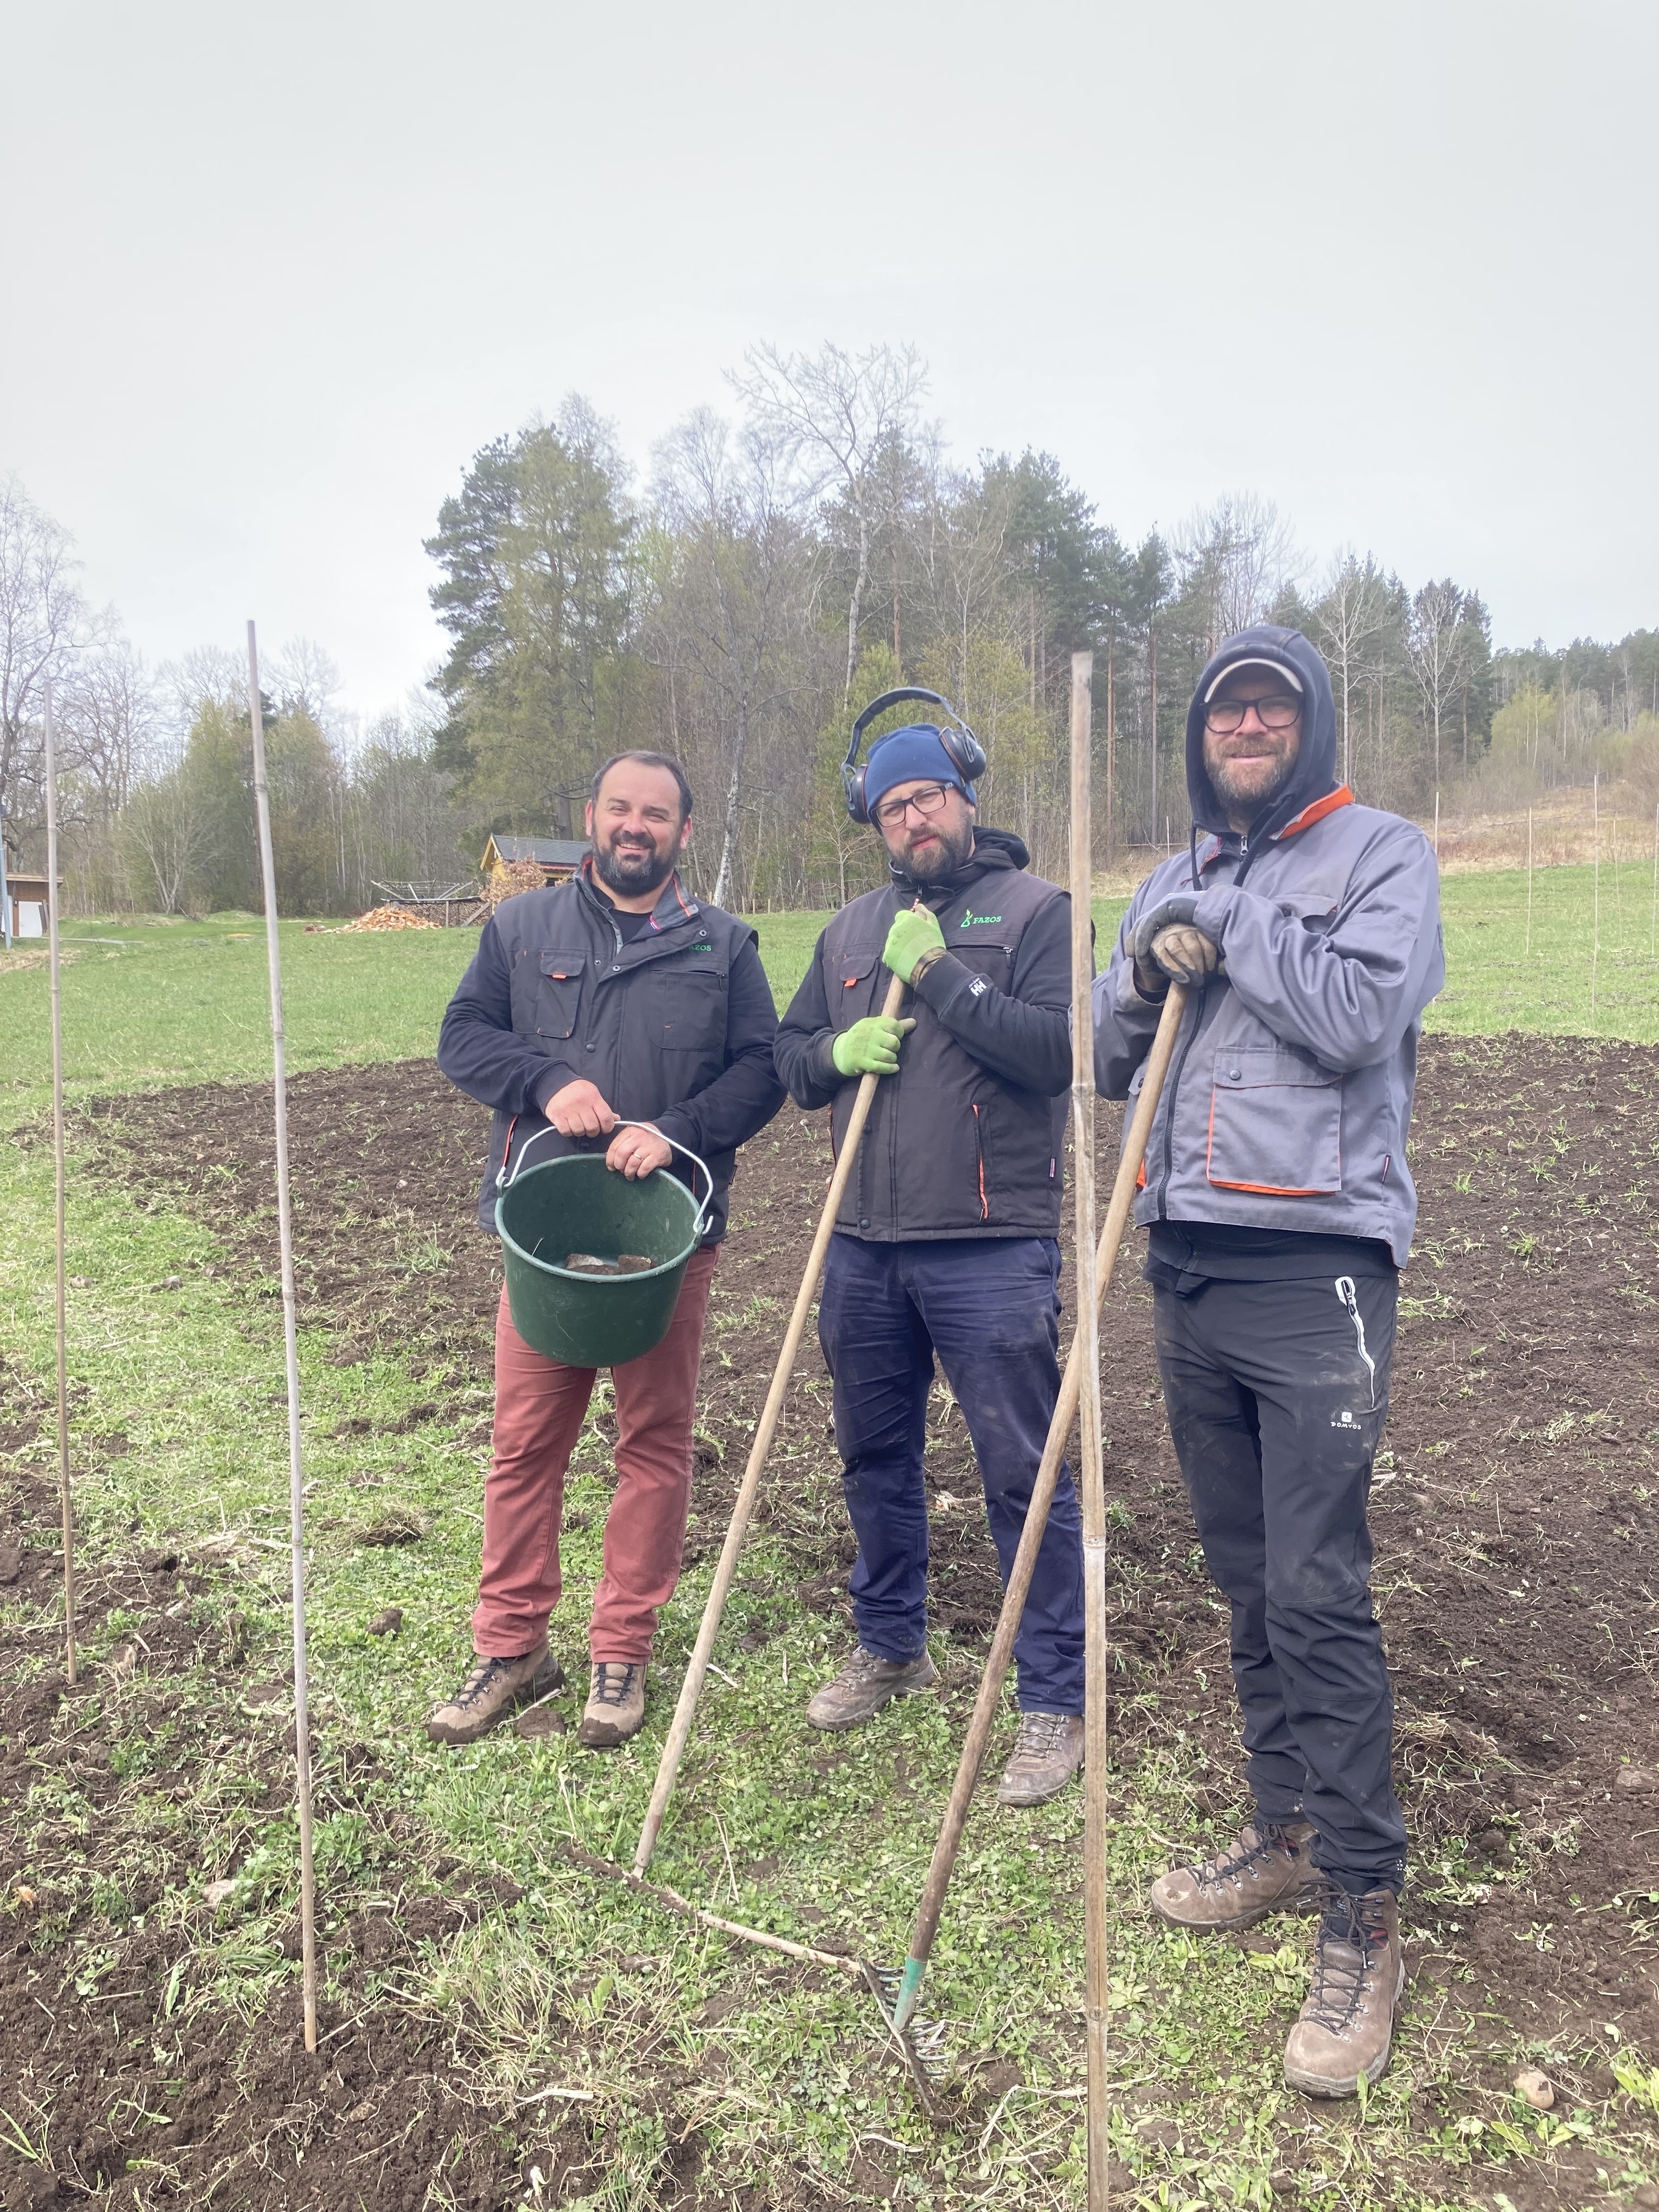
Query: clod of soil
388, 1622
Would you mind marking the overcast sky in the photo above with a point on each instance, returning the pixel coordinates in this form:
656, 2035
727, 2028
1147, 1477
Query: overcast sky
272, 276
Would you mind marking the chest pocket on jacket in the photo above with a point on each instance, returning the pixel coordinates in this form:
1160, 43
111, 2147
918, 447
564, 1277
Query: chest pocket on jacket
995, 962
685, 1009
1275, 1124
556, 999
854, 980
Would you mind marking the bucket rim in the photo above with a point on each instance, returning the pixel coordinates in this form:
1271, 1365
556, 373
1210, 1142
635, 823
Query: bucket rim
577, 1274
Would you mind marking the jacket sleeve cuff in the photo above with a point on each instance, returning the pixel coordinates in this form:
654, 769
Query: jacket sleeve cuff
679, 1127
940, 981
1210, 915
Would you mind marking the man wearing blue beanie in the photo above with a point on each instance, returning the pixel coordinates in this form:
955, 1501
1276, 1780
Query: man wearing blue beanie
947, 1240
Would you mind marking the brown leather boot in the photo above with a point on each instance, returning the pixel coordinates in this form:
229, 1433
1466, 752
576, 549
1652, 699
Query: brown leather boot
1359, 1976
864, 1686
1268, 1868
615, 1703
495, 1689
1047, 1751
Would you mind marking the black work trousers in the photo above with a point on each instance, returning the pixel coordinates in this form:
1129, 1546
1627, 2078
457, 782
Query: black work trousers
1276, 1394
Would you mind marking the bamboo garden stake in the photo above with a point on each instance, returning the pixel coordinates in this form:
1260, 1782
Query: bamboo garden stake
983, 1721
1596, 891
1529, 882
1097, 1954
291, 1350
71, 1657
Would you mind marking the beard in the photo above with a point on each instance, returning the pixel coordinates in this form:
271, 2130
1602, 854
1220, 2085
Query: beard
633, 870
934, 863
1251, 795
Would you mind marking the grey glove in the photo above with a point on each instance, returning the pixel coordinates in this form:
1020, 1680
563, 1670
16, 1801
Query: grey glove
1166, 945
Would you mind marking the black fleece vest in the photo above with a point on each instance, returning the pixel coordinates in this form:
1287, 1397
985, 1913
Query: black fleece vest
646, 1021
950, 1150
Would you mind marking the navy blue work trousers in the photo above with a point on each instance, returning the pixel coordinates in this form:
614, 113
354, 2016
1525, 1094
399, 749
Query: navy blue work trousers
989, 1307
1276, 1394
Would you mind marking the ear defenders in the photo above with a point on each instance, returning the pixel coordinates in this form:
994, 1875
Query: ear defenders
962, 748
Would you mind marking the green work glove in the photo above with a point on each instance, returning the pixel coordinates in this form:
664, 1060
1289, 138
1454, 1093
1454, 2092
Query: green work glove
914, 941
870, 1047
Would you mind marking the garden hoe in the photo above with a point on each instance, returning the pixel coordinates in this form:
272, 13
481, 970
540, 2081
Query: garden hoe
913, 2044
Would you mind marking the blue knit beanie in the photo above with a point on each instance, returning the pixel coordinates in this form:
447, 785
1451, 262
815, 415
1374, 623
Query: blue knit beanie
909, 756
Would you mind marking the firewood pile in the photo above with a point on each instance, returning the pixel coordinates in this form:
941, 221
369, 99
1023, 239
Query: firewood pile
508, 878
390, 917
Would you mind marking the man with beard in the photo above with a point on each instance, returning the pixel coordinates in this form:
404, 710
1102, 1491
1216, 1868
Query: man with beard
946, 1243
1307, 929
615, 1012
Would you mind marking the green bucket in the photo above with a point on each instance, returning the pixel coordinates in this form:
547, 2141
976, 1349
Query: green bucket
577, 1204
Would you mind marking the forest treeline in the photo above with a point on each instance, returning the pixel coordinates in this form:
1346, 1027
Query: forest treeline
780, 566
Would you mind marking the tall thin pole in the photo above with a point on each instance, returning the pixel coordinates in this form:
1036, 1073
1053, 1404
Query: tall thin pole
1595, 888
71, 1659
1094, 1494
5, 888
1437, 825
1529, 883
291, 1349
1653, 911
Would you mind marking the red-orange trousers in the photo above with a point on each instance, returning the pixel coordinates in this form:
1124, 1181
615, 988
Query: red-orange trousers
539, 1406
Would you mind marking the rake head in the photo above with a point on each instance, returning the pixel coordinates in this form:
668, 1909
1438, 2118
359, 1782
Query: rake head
921, 2042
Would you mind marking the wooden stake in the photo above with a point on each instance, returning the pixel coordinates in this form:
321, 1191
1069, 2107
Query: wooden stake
71, 1658
1653, 912
1529, 882
291, 1351
1596, 890
673, 1750
980, 1726
1092, 1484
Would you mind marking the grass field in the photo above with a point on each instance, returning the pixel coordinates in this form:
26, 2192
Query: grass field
152, 1004
180, 1436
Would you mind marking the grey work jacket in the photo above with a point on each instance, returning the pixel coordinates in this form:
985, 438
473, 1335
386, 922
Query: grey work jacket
1289, 1097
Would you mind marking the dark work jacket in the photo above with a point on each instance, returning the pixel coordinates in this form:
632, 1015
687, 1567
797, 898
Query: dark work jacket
965, 1139
675, 1028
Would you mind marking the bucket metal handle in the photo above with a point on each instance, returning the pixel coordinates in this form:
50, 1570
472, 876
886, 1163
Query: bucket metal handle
623, 1122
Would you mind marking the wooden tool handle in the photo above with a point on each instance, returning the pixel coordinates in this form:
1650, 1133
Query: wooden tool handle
691, 1688
1036, 1519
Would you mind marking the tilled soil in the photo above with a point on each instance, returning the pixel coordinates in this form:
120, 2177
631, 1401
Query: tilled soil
1512, 1515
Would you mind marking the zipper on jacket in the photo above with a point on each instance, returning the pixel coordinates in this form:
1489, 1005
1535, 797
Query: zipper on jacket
979, 1148
1350, 1297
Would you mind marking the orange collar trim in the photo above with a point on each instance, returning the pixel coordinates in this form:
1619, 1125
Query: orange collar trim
1316, 813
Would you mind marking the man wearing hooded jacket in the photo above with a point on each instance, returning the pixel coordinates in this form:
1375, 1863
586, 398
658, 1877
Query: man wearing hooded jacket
946, 1240
1280, 1208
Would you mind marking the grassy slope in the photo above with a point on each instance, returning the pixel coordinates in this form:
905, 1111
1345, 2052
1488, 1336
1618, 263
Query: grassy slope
794, 2071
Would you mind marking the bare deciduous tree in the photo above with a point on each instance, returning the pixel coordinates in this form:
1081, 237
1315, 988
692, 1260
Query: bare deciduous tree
1434, 648
42, 614
834, 412
1350, 612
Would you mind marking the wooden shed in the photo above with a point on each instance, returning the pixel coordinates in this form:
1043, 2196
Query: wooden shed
29, 891
558, 858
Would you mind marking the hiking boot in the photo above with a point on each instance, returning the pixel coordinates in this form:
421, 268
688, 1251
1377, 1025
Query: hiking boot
495, 1689
1346, 2024
615, 1703
1268, 1868
864, 1686
1047, 1751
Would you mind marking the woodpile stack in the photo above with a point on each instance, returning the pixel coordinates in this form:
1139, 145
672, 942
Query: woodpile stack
390, 917
508, 878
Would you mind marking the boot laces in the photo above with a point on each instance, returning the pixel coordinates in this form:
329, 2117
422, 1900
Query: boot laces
481, 1679
1039, 1736
1229, 1865
612, 1680
1343, 1960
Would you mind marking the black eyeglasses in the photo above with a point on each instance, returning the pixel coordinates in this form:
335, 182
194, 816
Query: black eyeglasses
926, 798
1276, 712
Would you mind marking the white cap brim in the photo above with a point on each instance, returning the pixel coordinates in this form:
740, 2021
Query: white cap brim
1254, 661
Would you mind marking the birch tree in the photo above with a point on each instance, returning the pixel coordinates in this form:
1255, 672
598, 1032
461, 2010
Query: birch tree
832, 414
